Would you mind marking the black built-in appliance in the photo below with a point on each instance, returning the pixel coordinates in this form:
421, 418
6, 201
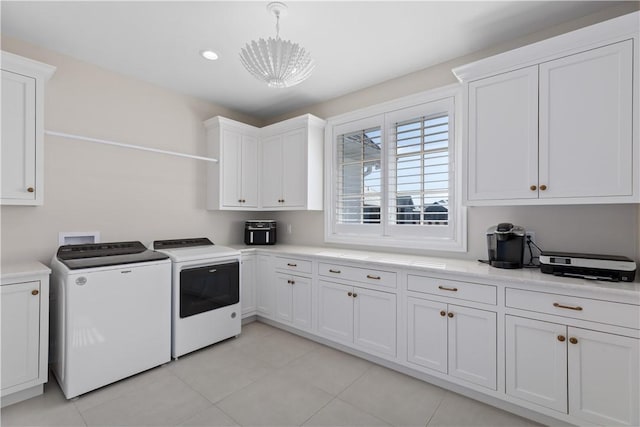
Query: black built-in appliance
505, 243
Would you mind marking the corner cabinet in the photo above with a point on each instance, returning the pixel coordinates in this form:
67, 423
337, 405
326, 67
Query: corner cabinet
25, 331
278, 167
292, 159
233, 181
23, 85
552, 123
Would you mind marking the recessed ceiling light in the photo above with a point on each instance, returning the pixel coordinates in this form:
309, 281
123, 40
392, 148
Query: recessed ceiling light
209, 54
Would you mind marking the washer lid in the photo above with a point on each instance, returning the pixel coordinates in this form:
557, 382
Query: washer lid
104, 254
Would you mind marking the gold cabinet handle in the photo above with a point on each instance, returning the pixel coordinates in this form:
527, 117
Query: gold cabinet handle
533, 188
350, 294
355, 295
443, 313
543, 187
334, 271
31, 189
568, 307
561, 338
292, 265
444, 288
291, 282
450, 314
35, 292
369, 276
573, 340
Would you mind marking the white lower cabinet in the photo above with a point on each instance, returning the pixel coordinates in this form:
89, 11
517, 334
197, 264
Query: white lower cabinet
25, 332
452, 339
359, 316
293, 300
590, 375
248, 288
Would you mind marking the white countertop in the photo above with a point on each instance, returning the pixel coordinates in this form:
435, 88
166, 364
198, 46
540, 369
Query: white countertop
472, 269
23, 269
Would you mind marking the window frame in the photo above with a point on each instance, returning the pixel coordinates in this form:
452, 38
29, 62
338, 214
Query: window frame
385, 115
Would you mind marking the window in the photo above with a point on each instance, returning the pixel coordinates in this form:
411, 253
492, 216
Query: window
391, 179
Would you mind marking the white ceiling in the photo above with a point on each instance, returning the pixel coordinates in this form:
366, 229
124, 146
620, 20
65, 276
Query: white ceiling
355, 44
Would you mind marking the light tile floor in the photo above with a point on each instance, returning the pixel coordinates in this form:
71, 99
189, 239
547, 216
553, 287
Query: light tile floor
265, 377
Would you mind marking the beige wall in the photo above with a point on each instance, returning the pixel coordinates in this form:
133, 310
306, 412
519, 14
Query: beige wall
611, 229
132, 195
124, 194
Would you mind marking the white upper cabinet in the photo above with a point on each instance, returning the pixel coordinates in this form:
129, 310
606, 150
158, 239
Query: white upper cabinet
233, 181
278, 167
553, 123
586, 124
503, 136
23, 82
292, 162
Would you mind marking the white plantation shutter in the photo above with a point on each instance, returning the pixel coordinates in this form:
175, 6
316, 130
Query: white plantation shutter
359, 180
419, 162
391, 176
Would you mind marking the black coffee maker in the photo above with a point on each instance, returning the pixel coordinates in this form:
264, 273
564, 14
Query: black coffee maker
506, 245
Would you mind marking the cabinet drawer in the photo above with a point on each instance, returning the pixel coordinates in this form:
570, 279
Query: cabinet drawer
293, 264
359, 274
612, 313
452, 288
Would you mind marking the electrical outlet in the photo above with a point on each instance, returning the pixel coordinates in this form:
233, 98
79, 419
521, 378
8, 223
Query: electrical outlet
531, 235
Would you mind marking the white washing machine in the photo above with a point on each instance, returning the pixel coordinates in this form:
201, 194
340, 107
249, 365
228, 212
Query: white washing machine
206, 293
110, 313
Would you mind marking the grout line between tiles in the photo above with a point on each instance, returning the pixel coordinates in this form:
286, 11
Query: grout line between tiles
444, 395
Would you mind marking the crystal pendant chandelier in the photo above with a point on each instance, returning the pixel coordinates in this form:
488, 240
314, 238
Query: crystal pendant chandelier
277, 62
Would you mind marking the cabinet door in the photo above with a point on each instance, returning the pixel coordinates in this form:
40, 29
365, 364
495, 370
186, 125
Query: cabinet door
301, 302
294, 168
249, 176
472, 345
586, 123
272, 172
231, 165
20, 333
18, 138
536, 362
427, 330
503, 136
603, 377
374, 319
284, 297
265, 292
248, 291
335, 311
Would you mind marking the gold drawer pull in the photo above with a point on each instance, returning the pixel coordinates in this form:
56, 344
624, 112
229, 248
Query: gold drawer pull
369, 276
355, 295
561, 338
35, 292
292, 265
350, 294
444, 288
450, 314
533, 188
573, 340
334, 271
443, 313
576, 308
30, 190
543, 187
